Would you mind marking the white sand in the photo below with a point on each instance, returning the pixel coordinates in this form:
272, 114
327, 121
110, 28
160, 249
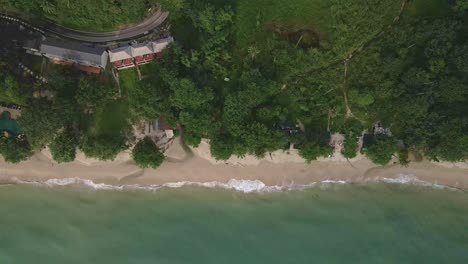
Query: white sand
282, 168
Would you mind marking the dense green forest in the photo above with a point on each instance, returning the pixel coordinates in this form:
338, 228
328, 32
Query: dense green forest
92, 15
258, 66
243, 73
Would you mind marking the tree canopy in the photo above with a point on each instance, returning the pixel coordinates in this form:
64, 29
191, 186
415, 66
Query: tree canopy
10, 90
63, 147
103, 147
146, 154
14, 150
258, 76
381, 149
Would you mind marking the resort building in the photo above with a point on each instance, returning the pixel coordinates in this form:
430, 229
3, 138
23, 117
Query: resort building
89, 59
137, 54
93, 59
121, 58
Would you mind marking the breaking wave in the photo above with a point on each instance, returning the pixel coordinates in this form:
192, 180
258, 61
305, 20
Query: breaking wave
412, 180
245, 186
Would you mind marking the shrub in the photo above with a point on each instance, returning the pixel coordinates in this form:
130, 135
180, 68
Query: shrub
146, 154
350, 148
63, 148
14, 151
103, 147
381, 151
311, 151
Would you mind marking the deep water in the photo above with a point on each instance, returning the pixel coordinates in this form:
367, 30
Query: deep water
373, 223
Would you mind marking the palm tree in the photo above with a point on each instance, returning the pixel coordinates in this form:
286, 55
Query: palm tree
253, 51
48, 7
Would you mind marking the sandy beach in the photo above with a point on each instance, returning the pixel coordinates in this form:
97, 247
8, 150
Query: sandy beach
281, 168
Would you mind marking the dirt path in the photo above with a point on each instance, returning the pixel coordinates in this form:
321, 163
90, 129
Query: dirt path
349, 113
364, 46
379, 35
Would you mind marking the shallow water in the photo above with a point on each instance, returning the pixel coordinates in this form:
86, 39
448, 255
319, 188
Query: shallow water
332, 223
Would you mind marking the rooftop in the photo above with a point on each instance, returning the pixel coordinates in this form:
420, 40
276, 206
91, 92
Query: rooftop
73, 51
161, 44
121, 53
141, 49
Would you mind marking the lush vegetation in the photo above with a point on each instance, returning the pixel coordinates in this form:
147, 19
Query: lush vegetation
108, 133
83, 113
93, 15
146, 154
14, 150
250, 72
11, 90
381, 149
63, 147
351, 146
244, 73
420, 87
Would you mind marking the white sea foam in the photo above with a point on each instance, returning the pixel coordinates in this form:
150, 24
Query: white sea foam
78, 181
245, 186
334, 182
412, 180
70, 181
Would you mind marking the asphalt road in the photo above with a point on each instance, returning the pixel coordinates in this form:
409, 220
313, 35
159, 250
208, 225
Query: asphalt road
136, 31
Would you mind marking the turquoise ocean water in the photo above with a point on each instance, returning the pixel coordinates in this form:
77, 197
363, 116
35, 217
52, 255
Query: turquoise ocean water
372, 223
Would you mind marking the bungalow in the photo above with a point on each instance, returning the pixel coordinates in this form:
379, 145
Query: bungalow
143, 53
89, 59
121, 58
137, 54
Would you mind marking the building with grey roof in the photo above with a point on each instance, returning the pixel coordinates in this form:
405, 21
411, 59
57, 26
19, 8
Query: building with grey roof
74, 53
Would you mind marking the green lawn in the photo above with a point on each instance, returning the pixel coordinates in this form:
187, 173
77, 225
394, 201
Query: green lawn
128, 80
112, 118
129, 77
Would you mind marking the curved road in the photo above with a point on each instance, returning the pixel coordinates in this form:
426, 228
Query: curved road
139, 30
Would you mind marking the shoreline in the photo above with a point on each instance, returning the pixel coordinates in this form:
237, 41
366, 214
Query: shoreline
278, 170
